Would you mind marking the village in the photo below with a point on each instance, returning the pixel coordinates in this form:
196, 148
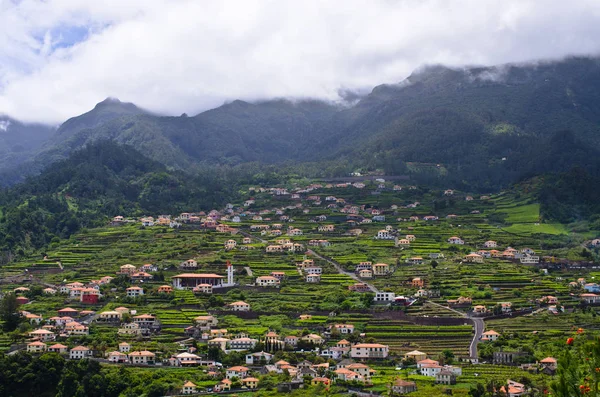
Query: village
359, 287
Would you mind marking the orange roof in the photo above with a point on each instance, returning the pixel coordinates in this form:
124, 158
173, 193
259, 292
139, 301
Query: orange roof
239, 368
198, 275
359, 345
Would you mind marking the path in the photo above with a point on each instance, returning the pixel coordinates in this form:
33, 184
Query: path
246, 234
339, 268
248, 271
478, 327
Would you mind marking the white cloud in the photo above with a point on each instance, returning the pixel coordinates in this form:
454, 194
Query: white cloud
59, 57
4, 124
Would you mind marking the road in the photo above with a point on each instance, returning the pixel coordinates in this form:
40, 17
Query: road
339, 268
478, 327
246, 234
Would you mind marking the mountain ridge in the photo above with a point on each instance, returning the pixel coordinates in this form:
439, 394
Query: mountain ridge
482, 118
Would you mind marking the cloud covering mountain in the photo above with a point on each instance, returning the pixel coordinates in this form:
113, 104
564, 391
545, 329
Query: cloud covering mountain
57, 58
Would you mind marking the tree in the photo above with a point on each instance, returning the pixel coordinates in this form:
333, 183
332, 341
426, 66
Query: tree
9, 312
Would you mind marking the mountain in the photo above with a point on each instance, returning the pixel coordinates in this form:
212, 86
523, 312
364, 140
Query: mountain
95, 183
18, 141
479, 127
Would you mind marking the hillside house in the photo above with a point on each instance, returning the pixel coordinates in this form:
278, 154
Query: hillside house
141, 276
126, 269
381, 269
237, 372
239, 306
36, 347
230, 244
191, 280
347, 375
415, 260
344, 328
145, 320
359, 287
365, 273
415, 355
445, 377
369, 351
384, 297
203, 289
134, 291
79, 352
590, 299
402, 386
455, 240
490, 336
117, 357
403, 242
189, 388
313, 278
417, 282
490, 244
42, 335
190, 264
473, 258
326, 228
267, 281
143, 357
384, 235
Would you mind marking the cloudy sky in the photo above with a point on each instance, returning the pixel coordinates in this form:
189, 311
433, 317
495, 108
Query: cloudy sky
60, 57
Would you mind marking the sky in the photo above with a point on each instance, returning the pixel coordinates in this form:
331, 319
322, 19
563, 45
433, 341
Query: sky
58, 58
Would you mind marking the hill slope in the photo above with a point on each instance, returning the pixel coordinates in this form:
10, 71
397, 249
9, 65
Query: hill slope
487, 127
93, 184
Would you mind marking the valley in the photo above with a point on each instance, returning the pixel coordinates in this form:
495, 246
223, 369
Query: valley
455, 278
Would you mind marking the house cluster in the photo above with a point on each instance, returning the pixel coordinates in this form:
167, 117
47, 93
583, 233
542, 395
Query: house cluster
142, 324
443, 374
284, 245
63, 325
525, 255
310, 272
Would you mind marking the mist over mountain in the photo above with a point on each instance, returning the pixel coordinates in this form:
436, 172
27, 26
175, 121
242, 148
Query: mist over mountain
484, 126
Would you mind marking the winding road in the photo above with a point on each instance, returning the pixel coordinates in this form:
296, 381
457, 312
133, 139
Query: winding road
478, 327
478, 323
341, 270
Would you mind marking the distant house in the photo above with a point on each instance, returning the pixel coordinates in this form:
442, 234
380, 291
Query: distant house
490, 244
381, 269
369, 350
590, 298
237, 372
473, 258
384, 297
384, 235
415, 355
402, 386
313, 278
490, 336
445, 377
455, 240
79, 352
267, 281
359, 287
189, 388
142, 357
134, 291
239, 306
